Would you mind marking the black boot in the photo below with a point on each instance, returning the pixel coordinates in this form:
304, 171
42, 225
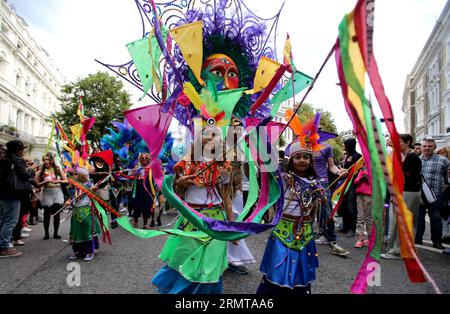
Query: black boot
47, 216
56, 222
159, 222
31, 221
152, 224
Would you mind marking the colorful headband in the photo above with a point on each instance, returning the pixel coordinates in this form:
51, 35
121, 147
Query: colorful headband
308, 137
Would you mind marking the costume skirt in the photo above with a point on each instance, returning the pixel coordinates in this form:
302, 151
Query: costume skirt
239, 255
81, 225
193, 265
142, 202
288, 262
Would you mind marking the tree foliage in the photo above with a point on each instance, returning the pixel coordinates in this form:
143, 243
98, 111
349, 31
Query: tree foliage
327, 124
103, 97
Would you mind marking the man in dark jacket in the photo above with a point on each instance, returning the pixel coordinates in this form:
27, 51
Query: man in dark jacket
14, 182
349, 210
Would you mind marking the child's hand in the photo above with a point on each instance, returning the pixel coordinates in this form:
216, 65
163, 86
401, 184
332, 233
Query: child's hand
185, 181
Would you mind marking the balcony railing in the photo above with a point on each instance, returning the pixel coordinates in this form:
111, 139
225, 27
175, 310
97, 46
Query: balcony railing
25, 137
9, 131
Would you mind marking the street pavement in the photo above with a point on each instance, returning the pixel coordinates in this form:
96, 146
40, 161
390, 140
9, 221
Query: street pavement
128, 265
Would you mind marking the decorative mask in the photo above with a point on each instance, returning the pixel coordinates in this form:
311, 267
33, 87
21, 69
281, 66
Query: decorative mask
223, 70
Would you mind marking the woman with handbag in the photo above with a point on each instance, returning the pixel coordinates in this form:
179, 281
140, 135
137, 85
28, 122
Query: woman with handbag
50, 178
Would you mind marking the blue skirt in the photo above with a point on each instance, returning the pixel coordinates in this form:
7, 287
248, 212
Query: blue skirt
289, 268
169, 281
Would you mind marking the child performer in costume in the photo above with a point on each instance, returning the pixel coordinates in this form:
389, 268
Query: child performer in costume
364, 201
143, 192
290, 260
84, 227
195, 266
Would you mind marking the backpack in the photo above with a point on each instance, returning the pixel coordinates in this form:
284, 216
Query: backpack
10, 184
6, 174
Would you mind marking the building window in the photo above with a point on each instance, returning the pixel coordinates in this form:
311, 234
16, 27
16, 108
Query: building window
21, 47
18, 81
27, 89
33, 126
26, 124
3, 64
448, 52
447, 116
19, 120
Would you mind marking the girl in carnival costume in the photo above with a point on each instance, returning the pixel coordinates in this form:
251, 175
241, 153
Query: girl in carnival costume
84, 229
290, 260
195, 266
143, 192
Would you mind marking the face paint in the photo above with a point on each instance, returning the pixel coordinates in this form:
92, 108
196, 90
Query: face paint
224, 71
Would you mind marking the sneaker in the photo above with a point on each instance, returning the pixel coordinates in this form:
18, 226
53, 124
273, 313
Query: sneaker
19, 243
89, 257
24, 235
11, 252
238, 269
321, 241
446, 251
390, 256
74, 257
337, 250
27, 229
438, 246
359, 244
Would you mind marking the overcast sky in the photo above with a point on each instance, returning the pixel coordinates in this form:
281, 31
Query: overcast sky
75, 32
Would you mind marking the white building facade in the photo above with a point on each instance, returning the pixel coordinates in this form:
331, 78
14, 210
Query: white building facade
289, 135
426, 98
29, 85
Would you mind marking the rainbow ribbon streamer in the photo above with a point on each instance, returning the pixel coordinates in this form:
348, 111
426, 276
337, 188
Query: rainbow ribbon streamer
355, 58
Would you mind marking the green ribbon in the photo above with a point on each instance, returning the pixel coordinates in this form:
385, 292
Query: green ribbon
50, 139
301, 81
125, 223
